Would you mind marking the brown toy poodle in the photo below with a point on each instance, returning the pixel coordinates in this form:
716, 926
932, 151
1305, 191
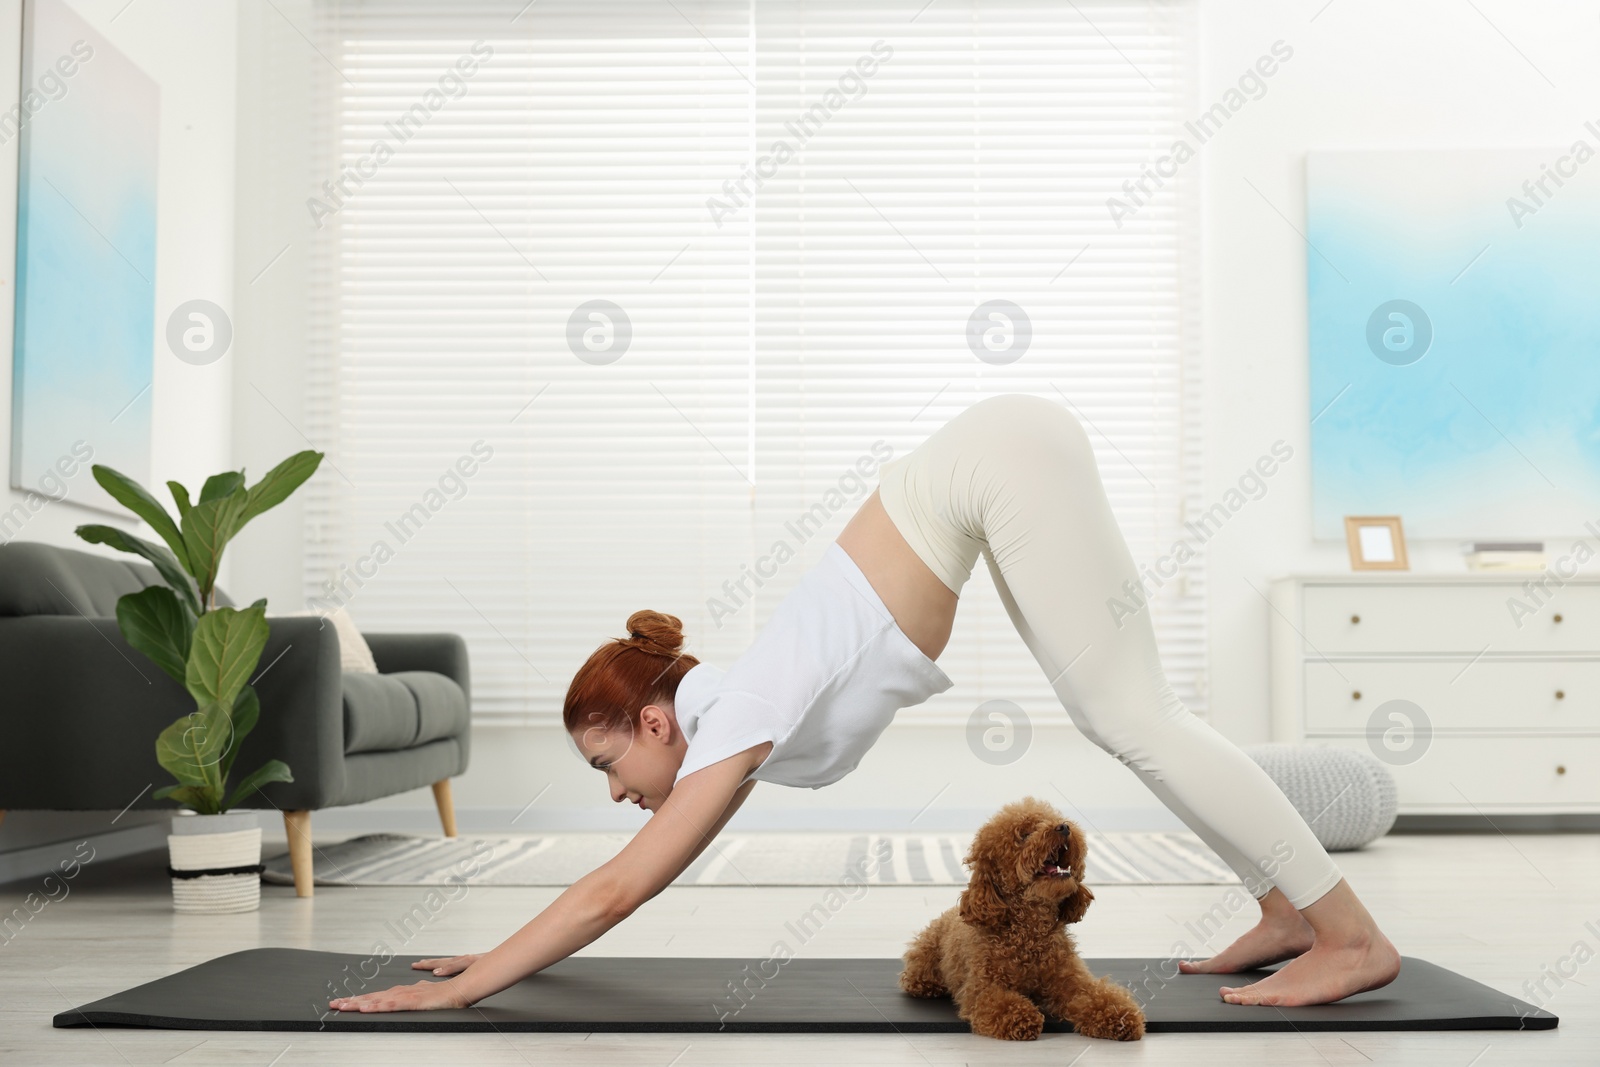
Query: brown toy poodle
1005, 948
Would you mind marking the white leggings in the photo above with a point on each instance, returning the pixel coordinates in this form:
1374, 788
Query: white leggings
1014, 477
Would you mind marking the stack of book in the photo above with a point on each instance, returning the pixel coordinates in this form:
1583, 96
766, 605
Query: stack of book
1504, 555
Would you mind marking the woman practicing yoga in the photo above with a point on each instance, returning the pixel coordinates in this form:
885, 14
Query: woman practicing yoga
1012, 478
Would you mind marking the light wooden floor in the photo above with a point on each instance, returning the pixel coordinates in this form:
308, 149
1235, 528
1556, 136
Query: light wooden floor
1497, 909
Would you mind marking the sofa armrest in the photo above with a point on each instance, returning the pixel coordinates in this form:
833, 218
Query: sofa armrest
301, 686
82, 709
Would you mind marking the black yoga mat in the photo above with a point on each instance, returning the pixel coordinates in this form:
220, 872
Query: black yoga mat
289, 989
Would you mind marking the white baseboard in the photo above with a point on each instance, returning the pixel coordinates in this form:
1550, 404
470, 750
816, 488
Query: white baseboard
36, 861
342, 822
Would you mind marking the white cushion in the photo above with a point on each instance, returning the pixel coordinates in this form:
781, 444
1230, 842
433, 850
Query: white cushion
354, 654
1347, 797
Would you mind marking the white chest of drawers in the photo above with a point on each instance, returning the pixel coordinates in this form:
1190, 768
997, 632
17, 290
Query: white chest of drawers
1480, 692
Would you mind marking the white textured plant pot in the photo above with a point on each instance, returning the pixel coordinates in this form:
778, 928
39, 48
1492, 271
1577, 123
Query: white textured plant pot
216, 862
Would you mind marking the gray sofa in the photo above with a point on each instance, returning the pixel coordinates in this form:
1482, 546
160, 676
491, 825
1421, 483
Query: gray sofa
82, 708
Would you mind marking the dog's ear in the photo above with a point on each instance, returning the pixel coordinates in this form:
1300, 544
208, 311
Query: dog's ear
980, 901
1075, 904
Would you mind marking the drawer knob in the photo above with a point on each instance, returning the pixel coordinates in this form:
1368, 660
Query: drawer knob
1355, 619
1557, 616
1356, 695
1561, 694
1560, 769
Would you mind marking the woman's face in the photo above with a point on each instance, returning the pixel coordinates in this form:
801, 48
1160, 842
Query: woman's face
639, 765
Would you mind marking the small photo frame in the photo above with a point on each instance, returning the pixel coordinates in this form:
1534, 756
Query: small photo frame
1376, 543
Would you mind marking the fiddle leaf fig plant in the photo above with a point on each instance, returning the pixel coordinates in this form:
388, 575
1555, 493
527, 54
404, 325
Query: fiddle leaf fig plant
209, 650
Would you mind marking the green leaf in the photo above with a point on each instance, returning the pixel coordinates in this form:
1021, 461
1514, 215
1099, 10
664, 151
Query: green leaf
221, 485
165, 563
203, 801
155, 623
270, 771
207, 528
246, 710
180, 497
276, 485
192, 747
227, 644
133, 496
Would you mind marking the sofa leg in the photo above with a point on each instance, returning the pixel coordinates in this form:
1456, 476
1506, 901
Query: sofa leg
297, 826
447, 806
2, 815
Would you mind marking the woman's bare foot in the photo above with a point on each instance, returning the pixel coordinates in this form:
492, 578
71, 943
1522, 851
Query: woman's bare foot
1348, 955
1282, 934
1322, 975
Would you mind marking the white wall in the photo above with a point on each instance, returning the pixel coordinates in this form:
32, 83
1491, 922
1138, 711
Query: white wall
1364, 74
187, 47
271, 246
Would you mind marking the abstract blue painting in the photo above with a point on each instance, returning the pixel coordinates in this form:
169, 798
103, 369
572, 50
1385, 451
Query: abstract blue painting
1454, 303
86, 255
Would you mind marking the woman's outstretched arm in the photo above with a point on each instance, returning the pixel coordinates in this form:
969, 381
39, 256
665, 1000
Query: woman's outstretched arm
682, 828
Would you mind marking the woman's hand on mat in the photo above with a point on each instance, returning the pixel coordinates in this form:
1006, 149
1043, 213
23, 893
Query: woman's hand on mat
446, 965
420, 996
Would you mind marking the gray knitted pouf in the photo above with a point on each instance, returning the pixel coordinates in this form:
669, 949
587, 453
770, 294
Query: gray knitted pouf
1347, 797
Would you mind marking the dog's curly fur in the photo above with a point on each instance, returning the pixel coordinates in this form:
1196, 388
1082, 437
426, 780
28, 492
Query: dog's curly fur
1004, 951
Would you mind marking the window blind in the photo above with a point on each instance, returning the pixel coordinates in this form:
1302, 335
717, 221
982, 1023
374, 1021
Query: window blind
620, 305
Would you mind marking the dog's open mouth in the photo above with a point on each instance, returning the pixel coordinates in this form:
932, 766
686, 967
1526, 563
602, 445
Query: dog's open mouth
1056, 865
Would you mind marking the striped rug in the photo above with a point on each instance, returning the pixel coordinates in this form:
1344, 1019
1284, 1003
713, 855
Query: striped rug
749, 859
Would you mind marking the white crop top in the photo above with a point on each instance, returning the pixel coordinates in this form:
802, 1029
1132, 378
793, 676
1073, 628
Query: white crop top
821, 681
